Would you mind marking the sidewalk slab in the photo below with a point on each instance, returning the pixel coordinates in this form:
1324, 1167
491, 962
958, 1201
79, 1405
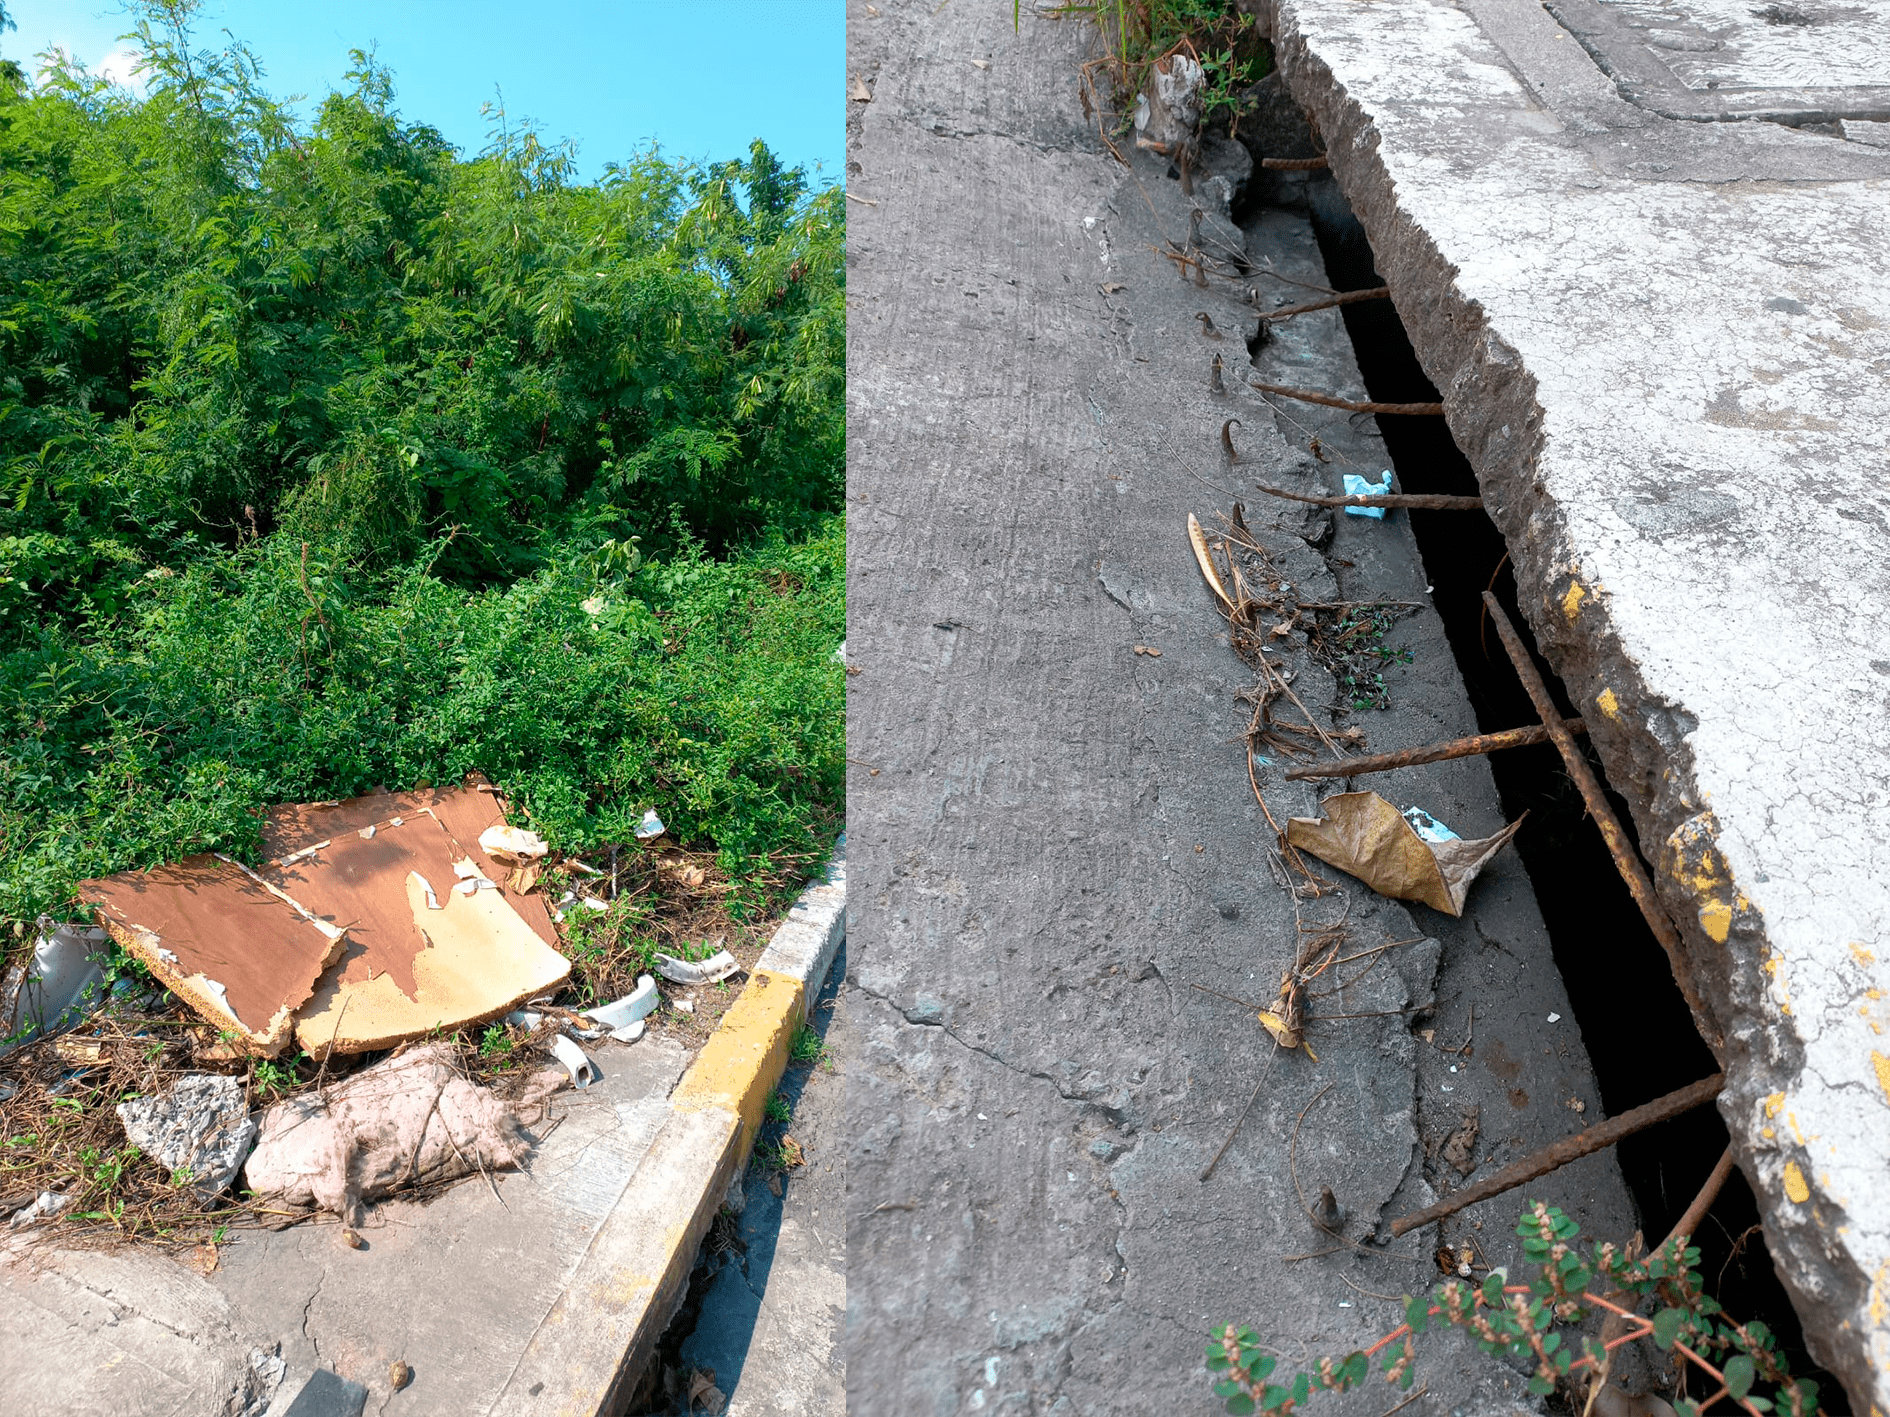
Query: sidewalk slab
1660, 329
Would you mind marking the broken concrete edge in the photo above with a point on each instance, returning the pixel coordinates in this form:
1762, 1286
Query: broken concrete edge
1495, 413
589, 1350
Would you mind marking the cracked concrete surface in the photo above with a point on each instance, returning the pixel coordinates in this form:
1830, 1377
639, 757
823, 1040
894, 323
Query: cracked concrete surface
1662, 346
1053, 838
456, 1285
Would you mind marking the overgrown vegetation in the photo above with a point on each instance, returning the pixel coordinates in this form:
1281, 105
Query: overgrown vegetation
331, 458
1538, 1324
1142, 33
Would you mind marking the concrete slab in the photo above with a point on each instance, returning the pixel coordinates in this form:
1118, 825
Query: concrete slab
455, 1287
124, 1335
1054, 838
1661, 344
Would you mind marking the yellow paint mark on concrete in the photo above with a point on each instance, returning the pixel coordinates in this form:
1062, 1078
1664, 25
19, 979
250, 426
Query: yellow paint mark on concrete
1873, 994
1716, 920
1862, 955
1791, 1120
1795, 1186
1770, 966
746, 1055
1768, 1133
1774, 1103
1879, 1307
1572, 602
1608, 703
1882, 1065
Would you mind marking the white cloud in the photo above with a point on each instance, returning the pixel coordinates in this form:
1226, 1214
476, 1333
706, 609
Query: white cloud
120, 67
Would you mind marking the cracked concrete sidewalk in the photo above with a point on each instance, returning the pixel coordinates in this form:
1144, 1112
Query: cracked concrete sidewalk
1054, 838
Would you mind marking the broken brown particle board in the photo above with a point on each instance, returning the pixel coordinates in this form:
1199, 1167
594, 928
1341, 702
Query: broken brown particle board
465, 811
422, 951
220, 938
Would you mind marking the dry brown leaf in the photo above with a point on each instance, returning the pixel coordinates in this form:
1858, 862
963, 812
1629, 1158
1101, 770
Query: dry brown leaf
203, 1259
981, 63
1365, 835
859, 92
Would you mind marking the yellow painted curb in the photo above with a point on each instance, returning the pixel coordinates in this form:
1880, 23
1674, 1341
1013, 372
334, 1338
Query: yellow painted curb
747, 1054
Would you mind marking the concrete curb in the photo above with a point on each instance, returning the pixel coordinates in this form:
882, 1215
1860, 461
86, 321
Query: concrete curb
593, 1344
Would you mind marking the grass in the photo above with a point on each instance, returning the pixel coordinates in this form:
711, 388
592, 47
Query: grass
1352, 645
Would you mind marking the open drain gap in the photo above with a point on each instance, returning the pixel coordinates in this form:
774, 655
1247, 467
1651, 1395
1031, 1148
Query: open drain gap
1635, 1025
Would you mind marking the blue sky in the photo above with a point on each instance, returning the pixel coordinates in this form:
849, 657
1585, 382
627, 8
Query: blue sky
701, 79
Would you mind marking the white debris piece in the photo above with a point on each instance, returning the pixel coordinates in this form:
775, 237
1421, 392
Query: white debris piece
719, 965
512, 844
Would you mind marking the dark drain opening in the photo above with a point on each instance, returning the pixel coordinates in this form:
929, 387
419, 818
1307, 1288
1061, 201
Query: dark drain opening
1633, 1020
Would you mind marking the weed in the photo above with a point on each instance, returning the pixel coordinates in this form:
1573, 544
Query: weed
1353, 647
779, 1109
496, 1041
1533, 1323
1141, 33
808, 1046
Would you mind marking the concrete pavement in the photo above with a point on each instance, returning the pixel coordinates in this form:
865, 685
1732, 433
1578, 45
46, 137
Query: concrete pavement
1053, 836
1642, 251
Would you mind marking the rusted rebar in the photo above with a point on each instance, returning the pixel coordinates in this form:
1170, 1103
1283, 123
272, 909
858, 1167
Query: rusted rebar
1434, 752
1626, 860
1571, 1148
1426, 501
1381, 292
1293, 164
1349, 405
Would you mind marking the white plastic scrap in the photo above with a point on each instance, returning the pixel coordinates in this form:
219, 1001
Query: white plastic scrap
840, 655
512, 844
1356, 486
591, 902
1427, 826
57, 988
576, 1062
624, 1018
46, 1204
719, 965
651, 827
433, 901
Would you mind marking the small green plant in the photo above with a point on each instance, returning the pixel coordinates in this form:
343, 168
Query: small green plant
273, 1077
779, 1109
496, 1041
1535, 1322
1354, 649
808, 1046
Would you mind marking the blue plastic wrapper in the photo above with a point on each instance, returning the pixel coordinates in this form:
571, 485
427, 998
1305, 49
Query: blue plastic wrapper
1356, 486
1427, 826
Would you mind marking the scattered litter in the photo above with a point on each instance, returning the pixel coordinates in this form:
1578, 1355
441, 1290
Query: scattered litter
367, 832
1555, 1018
591, 902
651, 827
576, 1061
200, 1129
840, 655
57, 989
1356, 486
45, 1205
716, 967
1577, 1106
1365, 835
475, 883
704, 1393
512, 844
859, 92
624, 1017
433, 901
409, 1120
1148, 650
573, 864
685, 1006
